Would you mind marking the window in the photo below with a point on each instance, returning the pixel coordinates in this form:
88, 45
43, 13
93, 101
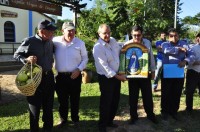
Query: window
9, 32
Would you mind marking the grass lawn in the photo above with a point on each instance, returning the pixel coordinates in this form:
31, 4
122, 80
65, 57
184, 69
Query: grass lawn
14, 116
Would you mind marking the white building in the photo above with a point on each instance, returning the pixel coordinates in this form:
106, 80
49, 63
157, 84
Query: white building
16, 24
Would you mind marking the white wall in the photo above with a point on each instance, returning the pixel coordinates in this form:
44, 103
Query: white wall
21, 22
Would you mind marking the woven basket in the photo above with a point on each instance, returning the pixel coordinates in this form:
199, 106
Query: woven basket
29, 88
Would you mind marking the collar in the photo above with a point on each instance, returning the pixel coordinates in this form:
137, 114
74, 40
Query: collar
38, 37
103, 42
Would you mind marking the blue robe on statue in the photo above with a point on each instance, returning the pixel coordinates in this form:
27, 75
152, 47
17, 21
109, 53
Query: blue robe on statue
133, 65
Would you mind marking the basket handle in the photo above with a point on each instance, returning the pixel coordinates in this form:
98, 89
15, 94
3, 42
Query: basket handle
31, 70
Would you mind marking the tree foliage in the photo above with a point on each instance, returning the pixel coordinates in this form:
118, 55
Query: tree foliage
191, 24
154, 16
192, 20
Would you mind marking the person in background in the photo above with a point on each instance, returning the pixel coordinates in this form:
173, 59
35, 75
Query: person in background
106, 55
174, 52
135, 84
192, 75
158, 60
39, 49
70, 59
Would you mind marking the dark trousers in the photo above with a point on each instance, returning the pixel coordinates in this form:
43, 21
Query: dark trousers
43, 98
171, 89
109, 99
134, 86
68, 90
192, 81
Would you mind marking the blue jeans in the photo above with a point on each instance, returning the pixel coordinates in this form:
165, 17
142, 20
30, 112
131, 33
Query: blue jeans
157, 73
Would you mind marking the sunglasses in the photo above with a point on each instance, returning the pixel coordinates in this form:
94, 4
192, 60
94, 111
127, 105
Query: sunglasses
136, 35
171, 36
105, 33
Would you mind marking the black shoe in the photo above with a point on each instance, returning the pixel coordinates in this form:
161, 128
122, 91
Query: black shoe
189, 112
189, 109
112, 125
175, 117
76, 124
153, 119
102, 129
164, 116
61, 124
132, 121
47, 130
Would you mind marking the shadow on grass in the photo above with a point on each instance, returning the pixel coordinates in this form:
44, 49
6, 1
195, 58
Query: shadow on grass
15, 108
89, 106
186, 122
83, 126
22, 130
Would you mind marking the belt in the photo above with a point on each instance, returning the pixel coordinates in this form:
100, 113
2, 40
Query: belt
64, 73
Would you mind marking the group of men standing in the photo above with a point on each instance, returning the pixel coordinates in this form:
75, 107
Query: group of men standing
175, 51
71, 58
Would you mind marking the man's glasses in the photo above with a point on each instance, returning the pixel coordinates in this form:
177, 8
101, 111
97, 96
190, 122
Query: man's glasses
136, 35
105, 33
171, 36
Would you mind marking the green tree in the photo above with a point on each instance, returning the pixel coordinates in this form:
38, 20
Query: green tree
192, 20
153, 15
191, 25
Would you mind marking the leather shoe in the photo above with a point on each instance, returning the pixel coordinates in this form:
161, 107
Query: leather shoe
61, 124
175, 117
132, 121
153, 119
164, 116
76, 124
112, 125
49, 130
102, 129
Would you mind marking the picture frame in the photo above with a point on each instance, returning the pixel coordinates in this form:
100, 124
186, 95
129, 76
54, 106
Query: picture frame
134, 61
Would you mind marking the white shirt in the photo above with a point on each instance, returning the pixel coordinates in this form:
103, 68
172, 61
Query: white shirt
196, 50
69, 56
106, 56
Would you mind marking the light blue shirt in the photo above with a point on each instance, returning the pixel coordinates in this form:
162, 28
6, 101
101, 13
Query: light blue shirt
106, 56
196, 49
172, 55
69, 56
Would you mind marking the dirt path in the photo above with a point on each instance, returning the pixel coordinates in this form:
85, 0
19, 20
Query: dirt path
9, 91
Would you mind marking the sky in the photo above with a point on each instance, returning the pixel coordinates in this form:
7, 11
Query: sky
67, 14
189, 8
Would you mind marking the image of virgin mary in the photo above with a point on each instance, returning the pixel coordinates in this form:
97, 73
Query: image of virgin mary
133, 65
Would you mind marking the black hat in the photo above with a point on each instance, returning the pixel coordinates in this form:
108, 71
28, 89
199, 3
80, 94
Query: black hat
45, 24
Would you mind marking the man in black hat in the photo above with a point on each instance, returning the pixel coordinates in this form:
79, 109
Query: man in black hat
39, 49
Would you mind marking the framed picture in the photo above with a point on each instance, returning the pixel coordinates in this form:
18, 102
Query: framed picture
134, 61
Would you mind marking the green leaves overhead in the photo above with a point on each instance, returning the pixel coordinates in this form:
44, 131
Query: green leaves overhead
192, 20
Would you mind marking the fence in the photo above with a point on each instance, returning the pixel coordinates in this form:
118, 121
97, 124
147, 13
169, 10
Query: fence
8, 47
